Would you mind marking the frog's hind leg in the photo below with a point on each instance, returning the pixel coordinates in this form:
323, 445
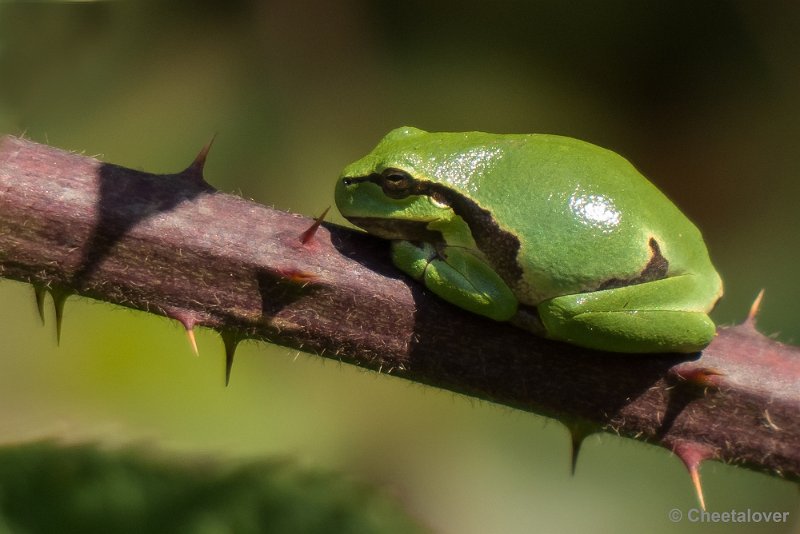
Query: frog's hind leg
668, 315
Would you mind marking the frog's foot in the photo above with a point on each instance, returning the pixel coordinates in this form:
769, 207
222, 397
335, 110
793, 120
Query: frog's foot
458, 276
668, 315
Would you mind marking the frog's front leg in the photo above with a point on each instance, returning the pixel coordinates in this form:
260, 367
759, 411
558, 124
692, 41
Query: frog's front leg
458, 276
667, 315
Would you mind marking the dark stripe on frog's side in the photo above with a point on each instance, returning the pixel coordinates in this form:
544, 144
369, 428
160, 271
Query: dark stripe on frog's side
499, 246
656, 269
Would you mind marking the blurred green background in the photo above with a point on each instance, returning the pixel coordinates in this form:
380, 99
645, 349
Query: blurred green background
702, 96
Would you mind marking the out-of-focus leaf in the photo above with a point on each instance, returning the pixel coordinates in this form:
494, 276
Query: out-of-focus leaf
49, 488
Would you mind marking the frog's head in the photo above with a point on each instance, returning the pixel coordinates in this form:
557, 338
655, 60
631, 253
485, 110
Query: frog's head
389, 192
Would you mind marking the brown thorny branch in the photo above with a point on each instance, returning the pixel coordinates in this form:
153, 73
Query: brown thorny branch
174, 246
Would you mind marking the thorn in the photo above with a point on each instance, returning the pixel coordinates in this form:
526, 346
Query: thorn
59, 298
198, 164
40, 292
578, 431
306, 236
231, 340
754, 308
188, 320
192, 341
576, 450
692, 454
297, 276
699, 376
698, 487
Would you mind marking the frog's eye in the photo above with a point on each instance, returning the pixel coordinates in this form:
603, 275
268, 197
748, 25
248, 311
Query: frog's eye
396, 183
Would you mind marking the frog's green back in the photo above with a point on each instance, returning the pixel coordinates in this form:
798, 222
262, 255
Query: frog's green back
572, 205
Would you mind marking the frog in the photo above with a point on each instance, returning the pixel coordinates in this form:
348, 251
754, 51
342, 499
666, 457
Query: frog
552, 234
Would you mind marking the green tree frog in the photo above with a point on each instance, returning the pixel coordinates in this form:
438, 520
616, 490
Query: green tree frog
556, 235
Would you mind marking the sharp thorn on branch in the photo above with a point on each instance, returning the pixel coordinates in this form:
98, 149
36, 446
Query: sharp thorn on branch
195, 169
231, 341
40, 292
308, 235
754, 309
59, 299
692, 455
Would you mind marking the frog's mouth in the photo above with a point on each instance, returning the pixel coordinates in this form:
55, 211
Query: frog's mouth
397, 229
